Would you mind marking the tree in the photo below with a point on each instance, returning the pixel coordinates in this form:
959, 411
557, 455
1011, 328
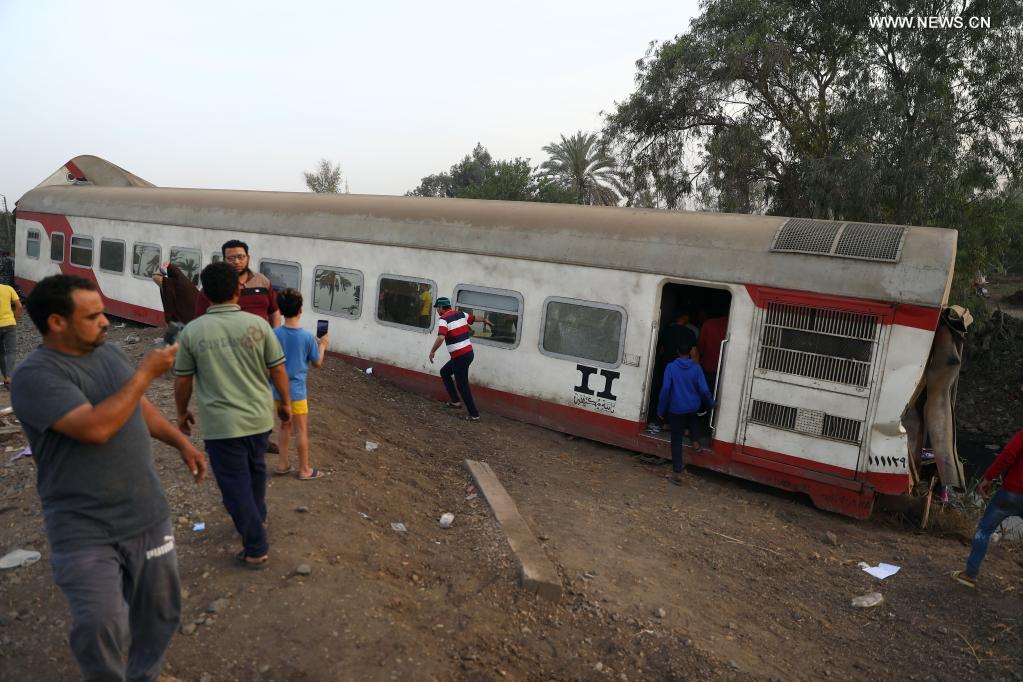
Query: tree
807, 109
479, 176
582, 167
326, 179
333, 282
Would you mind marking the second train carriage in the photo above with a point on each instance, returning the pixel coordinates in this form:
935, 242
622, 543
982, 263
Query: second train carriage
830, 323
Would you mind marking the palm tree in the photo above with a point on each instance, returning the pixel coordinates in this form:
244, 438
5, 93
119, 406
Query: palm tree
582, 166
190, 269
332, 282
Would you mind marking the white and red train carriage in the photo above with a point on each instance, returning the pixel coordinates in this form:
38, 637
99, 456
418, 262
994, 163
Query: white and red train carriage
830, 323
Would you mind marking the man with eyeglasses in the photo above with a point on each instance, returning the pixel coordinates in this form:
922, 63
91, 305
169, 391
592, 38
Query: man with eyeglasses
257, 295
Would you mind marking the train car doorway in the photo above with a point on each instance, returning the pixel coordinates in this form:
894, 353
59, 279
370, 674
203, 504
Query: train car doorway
687, 314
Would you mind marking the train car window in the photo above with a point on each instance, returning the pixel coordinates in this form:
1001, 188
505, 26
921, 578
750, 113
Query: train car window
57, 247
583, 330
32, 243
189, 260
406, 302
282, 274
497, 313
81, 251
216, 257
337, 291
145, 259
111, 255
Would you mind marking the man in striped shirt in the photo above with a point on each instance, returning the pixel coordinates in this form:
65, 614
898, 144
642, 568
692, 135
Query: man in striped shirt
453, 329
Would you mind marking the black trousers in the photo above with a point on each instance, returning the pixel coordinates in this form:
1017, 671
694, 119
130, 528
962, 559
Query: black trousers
679, 424
455, 372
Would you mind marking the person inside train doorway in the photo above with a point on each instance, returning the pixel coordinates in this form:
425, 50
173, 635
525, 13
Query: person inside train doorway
683, 394
453, 329
678, 334
225, 355
712, 333
1008, 501
257, 297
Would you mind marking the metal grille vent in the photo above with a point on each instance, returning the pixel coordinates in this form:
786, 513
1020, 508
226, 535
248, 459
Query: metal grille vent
863, 241
809, 422
806, 236
819, 343
872, 242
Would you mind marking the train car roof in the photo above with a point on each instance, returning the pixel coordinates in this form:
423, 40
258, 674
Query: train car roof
885, 263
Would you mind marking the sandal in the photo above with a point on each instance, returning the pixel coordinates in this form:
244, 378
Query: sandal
283, 472
964, 578
252, 563
316, 474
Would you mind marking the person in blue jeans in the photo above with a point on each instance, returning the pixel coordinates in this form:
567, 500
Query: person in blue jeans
683, 394
1008, 501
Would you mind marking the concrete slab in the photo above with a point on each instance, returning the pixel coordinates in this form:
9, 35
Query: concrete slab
538, 573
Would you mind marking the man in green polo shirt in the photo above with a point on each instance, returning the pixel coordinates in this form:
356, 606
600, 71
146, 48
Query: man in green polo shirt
227, 353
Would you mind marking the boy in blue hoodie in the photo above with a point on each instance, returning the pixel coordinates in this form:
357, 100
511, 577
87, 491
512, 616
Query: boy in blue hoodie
683, 393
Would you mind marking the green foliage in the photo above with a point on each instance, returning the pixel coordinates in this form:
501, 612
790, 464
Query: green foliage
479, 176
7, 231
804, 109
326, 179
584, 170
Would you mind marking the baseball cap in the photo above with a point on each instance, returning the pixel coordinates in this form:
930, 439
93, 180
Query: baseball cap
442, 302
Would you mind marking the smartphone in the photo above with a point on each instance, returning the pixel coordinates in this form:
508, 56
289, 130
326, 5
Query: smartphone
321, 328
171, 335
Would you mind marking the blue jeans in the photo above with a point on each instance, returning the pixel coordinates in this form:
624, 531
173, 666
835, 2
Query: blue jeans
1003, 505
240, 469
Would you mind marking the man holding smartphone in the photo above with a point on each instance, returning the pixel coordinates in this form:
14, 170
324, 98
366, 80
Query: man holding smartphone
227, 353
82, 406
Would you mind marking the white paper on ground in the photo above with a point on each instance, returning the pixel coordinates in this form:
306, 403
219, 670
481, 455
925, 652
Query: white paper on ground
882, 570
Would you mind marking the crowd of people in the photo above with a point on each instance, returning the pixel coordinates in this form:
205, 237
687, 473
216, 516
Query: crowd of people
112, 549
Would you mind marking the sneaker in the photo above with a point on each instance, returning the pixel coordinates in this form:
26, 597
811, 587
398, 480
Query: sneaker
677, 477
653, 428
964, 578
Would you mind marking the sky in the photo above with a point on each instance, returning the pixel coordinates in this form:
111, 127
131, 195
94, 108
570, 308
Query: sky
248, 95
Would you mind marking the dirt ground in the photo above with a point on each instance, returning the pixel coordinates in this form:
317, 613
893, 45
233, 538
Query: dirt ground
719, 579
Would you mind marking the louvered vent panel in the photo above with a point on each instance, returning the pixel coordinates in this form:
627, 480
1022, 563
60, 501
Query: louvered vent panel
863, 241
872, 242
809, 422
819, 343
806, 236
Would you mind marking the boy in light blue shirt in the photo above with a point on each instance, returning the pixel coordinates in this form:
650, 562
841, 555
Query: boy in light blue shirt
301, 349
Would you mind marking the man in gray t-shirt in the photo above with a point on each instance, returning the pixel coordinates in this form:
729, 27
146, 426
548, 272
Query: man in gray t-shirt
107, 519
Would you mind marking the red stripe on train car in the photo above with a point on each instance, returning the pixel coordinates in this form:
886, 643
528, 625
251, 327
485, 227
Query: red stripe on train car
830, 487
75, 170
57, 223
904, 314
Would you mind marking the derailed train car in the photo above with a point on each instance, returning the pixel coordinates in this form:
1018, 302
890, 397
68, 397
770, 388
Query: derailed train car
830, 324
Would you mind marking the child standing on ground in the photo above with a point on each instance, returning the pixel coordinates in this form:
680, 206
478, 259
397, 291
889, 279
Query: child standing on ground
301, 349
683, 393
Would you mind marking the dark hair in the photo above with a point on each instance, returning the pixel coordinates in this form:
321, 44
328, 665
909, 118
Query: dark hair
290, 302
233, 244
219, 282
53, 295
684, 350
